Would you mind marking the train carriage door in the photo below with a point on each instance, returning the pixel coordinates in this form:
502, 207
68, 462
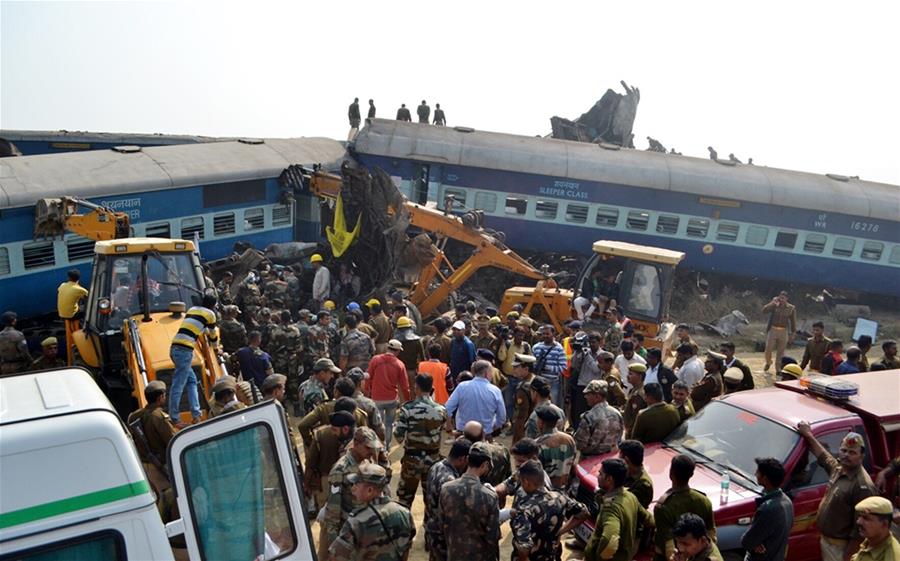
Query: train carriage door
237, 487
420, 181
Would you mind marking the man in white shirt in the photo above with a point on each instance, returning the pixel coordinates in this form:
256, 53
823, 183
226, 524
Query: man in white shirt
321, 287
625, 359
692, 369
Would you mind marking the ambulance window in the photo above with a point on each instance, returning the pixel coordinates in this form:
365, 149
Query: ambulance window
101, 546
237, 496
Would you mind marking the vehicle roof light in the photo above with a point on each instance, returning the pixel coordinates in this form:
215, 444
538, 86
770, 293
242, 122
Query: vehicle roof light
121, 248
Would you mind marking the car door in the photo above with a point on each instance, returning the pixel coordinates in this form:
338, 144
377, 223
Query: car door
238, 491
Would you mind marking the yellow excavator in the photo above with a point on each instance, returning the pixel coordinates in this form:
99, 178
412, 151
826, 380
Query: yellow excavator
139, 290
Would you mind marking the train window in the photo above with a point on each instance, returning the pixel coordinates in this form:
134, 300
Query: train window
459, 197
79, 248
895, 255
234, 193
843, 247
281, 215
486, 201
815, 243
223, 224
546, 210
254, 219
576, 213
191, 226
698, 227
871, 251
667, 224
637, 220
727, 231
4, 261
785, 240
757, 235
607, 217
38, 255
516, 205
160, 230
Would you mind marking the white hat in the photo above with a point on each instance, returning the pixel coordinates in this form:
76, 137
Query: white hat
458, 325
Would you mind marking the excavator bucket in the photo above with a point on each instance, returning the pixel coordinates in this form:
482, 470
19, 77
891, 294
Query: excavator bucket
49, 218
338, 236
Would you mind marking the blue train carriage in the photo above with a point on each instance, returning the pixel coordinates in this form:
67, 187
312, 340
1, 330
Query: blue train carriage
556, 195
222, 192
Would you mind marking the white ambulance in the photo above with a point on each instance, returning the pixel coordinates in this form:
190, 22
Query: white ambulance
73, 488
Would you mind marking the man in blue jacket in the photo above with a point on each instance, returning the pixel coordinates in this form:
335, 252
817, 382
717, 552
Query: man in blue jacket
767, 537
462, 350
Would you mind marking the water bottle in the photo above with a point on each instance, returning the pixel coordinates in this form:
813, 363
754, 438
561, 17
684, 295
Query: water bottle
726, 483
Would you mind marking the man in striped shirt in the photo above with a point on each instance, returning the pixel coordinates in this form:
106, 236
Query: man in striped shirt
551, 361
197, 321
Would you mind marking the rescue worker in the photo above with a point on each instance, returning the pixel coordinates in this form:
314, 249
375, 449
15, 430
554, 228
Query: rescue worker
681, 399
615, 534
600, 428
403, 114
469, 511
341, 502
557, 453
524, 405
353, 113
448, 469
198, 321
413, 352
658, 419
540, 396
321, 282
848, 484
366, 404
312, 391
356, 348
638, 480
541, 516
14, 355
225, 400
320, 337
371, 113
692, 542
48, 358
675, 502
873, 518
439, 372
439, 118
381, 323
68, 295
232, 332
423, 112
710, 386
419, 427
635, 401
381, 529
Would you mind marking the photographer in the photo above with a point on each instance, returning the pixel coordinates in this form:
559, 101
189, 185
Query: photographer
585, 368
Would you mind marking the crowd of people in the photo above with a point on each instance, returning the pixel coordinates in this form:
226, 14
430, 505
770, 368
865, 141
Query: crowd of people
423, 113
360, 379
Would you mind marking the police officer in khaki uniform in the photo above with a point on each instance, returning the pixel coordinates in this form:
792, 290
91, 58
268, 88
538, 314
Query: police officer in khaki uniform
156, 424
658, 419
636, 400
48, 358
522, 371
615, 391
710, 386
225, 399
873, 517
14, 355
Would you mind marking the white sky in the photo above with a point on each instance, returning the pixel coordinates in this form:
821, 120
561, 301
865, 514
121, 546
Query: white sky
813, 86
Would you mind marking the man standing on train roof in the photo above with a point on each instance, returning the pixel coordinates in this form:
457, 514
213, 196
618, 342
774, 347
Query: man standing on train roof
321, 282
14, 355
439, 118
371, 114
198, 320
69, 294
423, 111
403, 114
780, 329
353, 113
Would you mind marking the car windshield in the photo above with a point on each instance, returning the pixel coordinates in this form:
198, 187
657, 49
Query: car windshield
733, 437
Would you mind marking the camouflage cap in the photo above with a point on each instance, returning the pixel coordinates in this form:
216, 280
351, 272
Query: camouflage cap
365, 435
369, 472
596, 386
325, 364
357, 374
481, 449
272, 381
853, 441
875, 505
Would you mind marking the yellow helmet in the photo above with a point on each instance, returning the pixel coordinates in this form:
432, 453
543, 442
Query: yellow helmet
792, 371
329, 305
403, 322
373, 302
316, 258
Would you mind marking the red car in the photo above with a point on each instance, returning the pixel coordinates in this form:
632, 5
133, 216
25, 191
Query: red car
729, 433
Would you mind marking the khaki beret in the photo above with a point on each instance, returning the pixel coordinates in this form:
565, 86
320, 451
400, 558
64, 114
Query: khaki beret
734, 375
875, 505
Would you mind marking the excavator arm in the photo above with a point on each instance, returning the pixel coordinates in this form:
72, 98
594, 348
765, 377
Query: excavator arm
487, 250
55, 217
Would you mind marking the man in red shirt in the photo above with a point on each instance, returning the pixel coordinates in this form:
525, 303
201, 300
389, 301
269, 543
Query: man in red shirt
387, 380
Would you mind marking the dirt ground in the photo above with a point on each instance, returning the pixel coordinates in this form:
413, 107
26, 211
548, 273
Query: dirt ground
418, 553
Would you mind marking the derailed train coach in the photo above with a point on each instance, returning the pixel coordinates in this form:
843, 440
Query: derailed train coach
556, 195
219, 192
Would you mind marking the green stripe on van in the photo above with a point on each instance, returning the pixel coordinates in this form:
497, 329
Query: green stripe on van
65, 506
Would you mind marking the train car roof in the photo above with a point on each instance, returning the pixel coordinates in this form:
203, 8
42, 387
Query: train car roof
95, 173
106, 137
463, 146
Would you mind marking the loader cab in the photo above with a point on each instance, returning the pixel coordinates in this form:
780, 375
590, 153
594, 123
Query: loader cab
639, 279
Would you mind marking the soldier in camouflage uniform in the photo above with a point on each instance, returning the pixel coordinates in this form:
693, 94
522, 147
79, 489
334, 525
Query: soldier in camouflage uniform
541, 516
469, 512
293, 290
501, 463
312, 391
540, 397
341, 503
600, 428
381, 529
289, 347
276, 289
448, 469
232, 333
522, 451
356, 348
14, 355
320, 337
376, 422
419, 427
249, 299
223, 289
636, 401
557, 448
